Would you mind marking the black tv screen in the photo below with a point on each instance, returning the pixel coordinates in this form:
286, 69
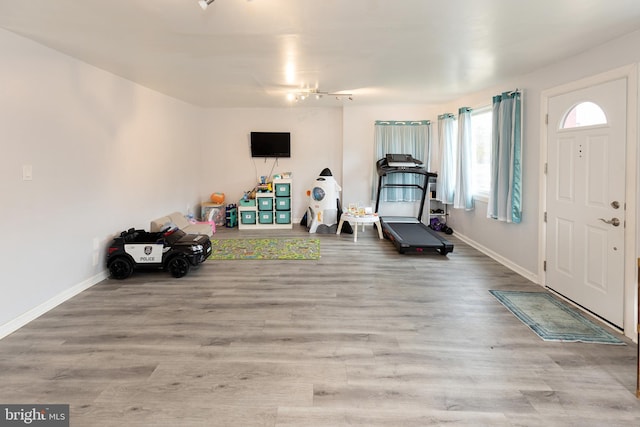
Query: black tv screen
270, 144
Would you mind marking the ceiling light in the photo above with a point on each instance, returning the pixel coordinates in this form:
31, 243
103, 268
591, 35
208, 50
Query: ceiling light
317, 94
204, 3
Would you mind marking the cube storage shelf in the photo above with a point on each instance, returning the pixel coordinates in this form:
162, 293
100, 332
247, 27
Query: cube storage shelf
269, 210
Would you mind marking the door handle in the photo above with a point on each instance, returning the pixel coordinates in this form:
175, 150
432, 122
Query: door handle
613, 221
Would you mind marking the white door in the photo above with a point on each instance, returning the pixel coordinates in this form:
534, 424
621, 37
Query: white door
585, 197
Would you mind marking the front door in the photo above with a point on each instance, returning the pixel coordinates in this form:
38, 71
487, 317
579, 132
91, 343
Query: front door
586, 197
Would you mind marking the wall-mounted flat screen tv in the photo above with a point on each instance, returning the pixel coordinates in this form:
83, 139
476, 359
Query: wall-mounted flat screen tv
270, 144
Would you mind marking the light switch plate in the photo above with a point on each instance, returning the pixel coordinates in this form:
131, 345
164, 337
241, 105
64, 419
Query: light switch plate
27, 172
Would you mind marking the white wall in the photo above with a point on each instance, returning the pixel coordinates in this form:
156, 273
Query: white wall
316, 143
106, 155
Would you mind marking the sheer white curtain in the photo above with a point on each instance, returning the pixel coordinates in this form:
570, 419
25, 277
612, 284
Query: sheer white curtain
446, 169
505, 195
463, 197
401, 137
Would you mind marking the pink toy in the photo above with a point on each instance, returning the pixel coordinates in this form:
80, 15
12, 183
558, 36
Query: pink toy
211, 223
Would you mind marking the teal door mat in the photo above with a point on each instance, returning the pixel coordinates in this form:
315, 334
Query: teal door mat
552, 320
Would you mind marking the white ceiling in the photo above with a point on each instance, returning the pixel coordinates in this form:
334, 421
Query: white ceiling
241, 53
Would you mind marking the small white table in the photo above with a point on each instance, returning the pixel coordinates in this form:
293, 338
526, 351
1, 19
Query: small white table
354, 220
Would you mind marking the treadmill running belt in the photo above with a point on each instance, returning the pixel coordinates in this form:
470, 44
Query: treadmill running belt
415, 237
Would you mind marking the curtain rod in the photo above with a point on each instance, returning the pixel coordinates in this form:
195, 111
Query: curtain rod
403, 122
504, 95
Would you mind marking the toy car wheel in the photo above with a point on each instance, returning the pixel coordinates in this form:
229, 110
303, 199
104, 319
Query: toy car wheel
178, 266
121, 268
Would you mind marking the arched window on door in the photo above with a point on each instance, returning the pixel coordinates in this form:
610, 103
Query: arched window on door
584, 114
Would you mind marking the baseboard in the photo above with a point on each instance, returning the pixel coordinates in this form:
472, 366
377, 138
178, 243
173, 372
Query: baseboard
499, 258
38, 311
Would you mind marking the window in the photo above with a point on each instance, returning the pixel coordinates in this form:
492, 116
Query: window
584, 114
481, 147
400, 137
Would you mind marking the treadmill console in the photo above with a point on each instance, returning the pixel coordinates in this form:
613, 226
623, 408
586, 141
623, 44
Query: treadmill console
402, 161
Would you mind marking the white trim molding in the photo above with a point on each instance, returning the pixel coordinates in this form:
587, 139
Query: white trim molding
52, 303
499, 258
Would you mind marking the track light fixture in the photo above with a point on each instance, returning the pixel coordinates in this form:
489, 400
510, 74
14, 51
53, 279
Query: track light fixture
205, 3
303, 94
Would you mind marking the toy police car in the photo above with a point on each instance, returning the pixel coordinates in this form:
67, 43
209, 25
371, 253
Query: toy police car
171, 249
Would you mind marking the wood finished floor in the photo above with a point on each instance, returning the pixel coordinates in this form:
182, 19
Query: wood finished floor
362, 337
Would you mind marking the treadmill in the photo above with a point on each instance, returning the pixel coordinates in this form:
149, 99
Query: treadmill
408, 234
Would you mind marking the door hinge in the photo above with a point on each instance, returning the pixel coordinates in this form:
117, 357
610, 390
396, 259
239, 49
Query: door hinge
546, 119
544, 265
545, 168
545, 217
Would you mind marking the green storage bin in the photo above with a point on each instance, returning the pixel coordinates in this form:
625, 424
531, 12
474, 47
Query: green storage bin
283, 217
248, 217
250, 202
283, 189
265, 217
283, 203
265, 203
